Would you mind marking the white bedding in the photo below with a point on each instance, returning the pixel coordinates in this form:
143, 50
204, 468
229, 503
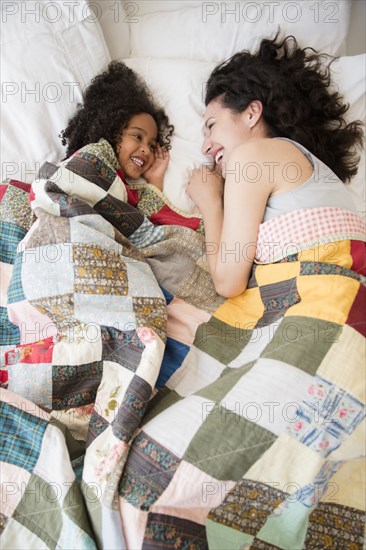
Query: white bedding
51, 50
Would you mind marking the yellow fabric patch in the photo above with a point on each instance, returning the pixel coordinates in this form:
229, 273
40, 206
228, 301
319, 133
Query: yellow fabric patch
275, 273
344, 364
287, 465
246, 309
348, 486
338, 253
327, 297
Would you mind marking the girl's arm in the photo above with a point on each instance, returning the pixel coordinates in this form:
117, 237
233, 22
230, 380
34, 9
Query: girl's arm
232, 230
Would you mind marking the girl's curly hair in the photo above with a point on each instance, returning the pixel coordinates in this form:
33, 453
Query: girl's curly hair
294, 87
109, 102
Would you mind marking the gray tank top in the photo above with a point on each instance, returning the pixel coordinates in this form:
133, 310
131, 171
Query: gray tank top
323, 188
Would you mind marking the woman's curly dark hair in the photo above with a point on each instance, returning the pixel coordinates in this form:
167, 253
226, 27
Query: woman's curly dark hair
109, 102
294, 87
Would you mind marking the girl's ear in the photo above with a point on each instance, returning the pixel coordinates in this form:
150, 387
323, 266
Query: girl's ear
254, 112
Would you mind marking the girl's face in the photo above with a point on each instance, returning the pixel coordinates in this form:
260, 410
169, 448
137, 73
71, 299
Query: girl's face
223, 132
137, 145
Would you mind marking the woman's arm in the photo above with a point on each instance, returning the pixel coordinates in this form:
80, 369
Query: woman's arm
231, 231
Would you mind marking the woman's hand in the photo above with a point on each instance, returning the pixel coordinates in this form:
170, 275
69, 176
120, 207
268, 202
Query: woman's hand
205, 186
155, 174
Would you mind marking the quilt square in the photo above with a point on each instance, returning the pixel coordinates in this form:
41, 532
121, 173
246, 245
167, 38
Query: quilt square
221, 340
170, 531
121, 215
226, 445
11, 235
149, 469
60, 309
97, 425
350, 351
47, 271
335, 526
15, 207
174, 355
23, 448
327, 298
91, 168
198, 370
132, 409
39, 510
247, 506
268, 394
98, 271
151, 312
327, 416
295, 335
244, 310
176, 426
74, 386
356, 315
121, 346
13, 482
54, 231
277, 298
32, 381
15, 290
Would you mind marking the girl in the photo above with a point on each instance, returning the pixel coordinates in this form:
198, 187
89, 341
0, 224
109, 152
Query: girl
119, 108
278, 137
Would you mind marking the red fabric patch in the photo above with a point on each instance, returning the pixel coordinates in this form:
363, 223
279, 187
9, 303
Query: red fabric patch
21, 185
32, 195
358, 253
132, 194
356, 317
3, 188
39, 352
4, 377
167, 216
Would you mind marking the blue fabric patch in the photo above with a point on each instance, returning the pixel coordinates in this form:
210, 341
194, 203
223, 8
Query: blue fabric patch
175, 353
168, 297
21, 434
15, 290
11, 235
9, 333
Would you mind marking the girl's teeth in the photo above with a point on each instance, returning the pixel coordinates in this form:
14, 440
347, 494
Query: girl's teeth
137, 161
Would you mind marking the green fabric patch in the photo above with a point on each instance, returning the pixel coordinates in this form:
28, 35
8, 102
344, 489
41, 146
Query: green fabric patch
220, 537
227, 445
221, 387
287, 530
73, 506
295, 336
40, 512
94, 508
221, 340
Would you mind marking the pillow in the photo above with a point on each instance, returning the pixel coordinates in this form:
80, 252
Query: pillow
50, 51
211, 31
179, 85
114, 21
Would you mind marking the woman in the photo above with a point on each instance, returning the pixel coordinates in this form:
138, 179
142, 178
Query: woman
253, 102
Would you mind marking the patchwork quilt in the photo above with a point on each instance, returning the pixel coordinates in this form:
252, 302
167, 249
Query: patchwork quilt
139, 409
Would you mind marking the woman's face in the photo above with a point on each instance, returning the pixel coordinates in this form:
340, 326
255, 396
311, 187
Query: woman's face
137, 145
223, 132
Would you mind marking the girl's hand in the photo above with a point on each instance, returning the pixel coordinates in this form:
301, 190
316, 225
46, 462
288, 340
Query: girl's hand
205, 186
155, 174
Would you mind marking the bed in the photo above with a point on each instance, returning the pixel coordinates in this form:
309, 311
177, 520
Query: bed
139, 409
